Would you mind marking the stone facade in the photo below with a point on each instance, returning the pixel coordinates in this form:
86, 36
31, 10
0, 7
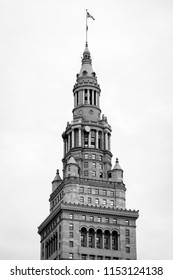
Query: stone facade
88, 217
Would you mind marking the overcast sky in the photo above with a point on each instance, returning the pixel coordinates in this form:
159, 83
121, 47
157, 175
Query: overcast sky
41, 44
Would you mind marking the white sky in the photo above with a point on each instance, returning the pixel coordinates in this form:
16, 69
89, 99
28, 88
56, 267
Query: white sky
41, 44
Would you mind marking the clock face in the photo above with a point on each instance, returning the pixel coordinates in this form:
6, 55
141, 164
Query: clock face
87, 128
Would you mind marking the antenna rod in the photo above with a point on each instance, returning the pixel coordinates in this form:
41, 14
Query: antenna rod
86, 28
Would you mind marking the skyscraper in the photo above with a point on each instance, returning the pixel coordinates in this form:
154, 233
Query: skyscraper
88, 217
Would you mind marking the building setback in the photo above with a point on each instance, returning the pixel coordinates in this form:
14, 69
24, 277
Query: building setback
88, 217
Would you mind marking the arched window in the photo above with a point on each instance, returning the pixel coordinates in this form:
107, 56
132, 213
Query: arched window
83, 237
107, 239
99, 239
91, 238
114, 240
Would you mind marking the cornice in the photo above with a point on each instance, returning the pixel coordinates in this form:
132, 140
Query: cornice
125, 213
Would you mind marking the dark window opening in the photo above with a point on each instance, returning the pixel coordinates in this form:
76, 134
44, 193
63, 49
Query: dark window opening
86, 96
77, 98
90, 96
95, 97
86, 139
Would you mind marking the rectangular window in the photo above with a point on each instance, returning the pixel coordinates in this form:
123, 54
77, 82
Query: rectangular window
70, 243
91, 218
71, 226
69, 168
127, 232
99, 257
83, 257
91, 257
112, 203
85, 155
104, 192
111, 193
100, 158
85, 172
100, 166
99, 219
97, 191
85, 164
82, 199
93, 164
70, 256
101, 174
107, 220
71, 216
114, 220
89, 191
93, 156
127, 222
127, 240
71, 234
83, 217
96, 201
89, 200
93, 138
107, 258
128, 250
104, 202
81, 190
94, 173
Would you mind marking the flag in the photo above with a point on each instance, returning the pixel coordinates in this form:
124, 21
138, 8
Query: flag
90, 16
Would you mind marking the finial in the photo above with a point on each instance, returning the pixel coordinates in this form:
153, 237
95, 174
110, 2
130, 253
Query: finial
57, 172
117, 161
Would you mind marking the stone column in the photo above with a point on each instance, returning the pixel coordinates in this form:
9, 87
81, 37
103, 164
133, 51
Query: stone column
92, 97
83, 96
66, 144
103, 240
88, 96
111, 241
106, 141
64, 147
87, 237
89, 139
109, 142
75, 99
68, 141
80, 137
97, 98
72, 135
97, 138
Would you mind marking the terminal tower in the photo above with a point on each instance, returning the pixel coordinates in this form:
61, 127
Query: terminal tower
88, 219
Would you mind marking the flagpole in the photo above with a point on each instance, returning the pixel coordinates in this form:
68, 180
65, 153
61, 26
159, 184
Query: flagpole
86, 29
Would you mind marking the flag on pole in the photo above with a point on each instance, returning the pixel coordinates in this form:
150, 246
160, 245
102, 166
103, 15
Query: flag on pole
90, 16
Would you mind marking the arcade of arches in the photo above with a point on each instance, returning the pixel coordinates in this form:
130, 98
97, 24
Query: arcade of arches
99, 239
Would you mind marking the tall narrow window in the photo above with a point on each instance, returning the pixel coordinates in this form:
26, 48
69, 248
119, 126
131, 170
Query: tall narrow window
86, 139
95, 97
77, 98
86, 96
90, 96
100, 140
93, 138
